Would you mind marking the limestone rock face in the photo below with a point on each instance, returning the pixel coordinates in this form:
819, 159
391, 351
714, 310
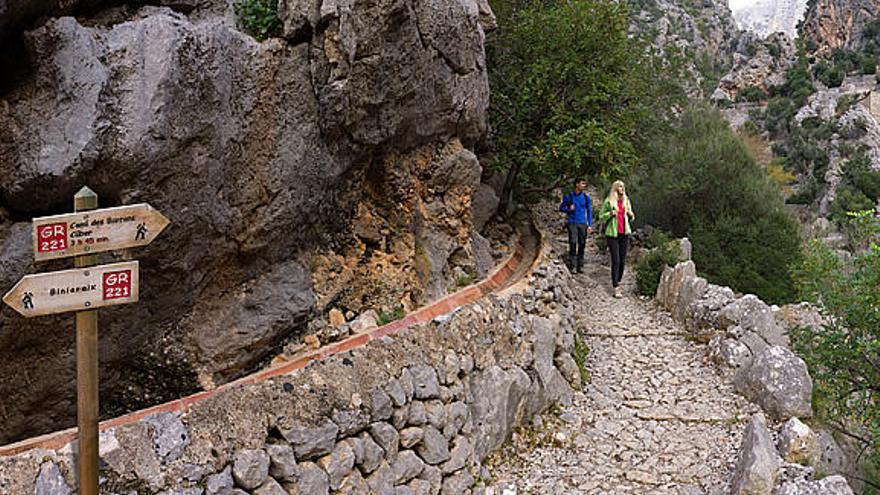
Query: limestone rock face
259, 153
762, 66
838, 23
767, 17
705, 27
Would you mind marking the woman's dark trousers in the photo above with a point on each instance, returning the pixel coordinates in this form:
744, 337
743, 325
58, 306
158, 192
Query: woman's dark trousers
577, 239
617, 246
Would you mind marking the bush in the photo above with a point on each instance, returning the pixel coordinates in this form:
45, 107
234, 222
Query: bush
868, 65
828, 75
849, 199
844, 355
649, 268
259, 18
806, 194
868, 182
705, 185
752, 93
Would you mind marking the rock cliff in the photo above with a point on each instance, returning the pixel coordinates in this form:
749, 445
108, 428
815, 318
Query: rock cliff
766, 17
351, 134
834, 24
703, 33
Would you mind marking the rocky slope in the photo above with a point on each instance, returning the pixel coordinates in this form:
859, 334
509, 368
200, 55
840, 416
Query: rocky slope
702, 32
350, 133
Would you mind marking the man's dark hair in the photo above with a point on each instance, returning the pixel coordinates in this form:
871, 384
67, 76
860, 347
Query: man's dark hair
579, 180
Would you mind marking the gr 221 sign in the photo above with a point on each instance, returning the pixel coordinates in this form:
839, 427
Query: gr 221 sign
75, 290
95, 231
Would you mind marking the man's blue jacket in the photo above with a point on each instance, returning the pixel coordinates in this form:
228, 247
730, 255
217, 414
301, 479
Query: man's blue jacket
583, 208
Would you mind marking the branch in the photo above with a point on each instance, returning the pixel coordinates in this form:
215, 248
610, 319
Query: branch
559, 182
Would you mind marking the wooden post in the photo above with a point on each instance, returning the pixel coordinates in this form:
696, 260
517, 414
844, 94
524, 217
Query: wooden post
87, 370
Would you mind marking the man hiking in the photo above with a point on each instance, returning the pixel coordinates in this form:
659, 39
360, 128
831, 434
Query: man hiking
579, 208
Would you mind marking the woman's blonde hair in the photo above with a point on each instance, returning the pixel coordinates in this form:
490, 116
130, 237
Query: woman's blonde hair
612, 196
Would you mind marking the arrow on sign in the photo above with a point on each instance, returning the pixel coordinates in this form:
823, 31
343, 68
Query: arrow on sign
96, 231
75, 290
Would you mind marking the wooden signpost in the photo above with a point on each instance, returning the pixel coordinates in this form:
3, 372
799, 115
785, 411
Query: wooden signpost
85, 289
75, 234
75, 290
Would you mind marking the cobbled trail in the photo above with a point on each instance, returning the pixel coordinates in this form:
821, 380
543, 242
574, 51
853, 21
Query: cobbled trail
656, 417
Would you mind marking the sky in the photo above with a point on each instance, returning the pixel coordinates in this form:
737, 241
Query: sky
738, 4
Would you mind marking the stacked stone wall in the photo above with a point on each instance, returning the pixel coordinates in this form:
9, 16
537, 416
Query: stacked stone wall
415, 412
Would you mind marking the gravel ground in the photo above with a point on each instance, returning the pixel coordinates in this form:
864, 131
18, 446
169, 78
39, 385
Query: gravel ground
655, 418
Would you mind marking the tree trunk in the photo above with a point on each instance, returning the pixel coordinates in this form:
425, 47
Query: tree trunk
505, 204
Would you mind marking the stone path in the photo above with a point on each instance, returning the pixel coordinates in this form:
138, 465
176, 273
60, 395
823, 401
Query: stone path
655, 418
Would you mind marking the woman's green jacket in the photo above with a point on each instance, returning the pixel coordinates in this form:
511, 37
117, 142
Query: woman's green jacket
610, 220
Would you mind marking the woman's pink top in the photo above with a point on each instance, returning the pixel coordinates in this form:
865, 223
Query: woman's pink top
621, 223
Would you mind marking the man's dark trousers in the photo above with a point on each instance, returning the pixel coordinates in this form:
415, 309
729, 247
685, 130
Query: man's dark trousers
577, 239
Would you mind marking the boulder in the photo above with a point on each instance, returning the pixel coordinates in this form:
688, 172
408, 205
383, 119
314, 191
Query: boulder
50, 481
671, 281
778, 381
753, 315
797, 442
250, 468
499, 403
310, 480
483, 206
312, 442
282, 461
338, 464
366, 321
832, 485
757, 465
691, 291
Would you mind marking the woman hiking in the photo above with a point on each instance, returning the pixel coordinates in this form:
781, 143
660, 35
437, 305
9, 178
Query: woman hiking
616, 213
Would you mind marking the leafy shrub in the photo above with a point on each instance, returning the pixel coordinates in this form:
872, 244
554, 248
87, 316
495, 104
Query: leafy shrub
752, 93
798, 84
855, 130
868, 65
831, 76
386, 317
259, 18
844, 103
868, 182
750, 128
704, 184
580, 355
779, 113
844, 355
849, 199
806, 193
666, 252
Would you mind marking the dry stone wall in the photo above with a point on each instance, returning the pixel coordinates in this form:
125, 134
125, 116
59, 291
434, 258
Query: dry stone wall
413, 413
747, 339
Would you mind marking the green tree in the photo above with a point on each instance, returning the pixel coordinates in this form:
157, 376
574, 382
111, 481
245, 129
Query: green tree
568, 91
704, 184
844, 354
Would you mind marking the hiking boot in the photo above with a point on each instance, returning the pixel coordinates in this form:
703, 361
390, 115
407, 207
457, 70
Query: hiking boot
617, 292
579, 269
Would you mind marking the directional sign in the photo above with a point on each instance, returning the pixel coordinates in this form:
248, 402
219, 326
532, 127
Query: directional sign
95, 231
75, 290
